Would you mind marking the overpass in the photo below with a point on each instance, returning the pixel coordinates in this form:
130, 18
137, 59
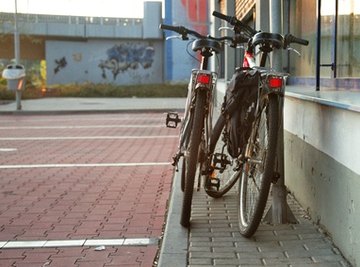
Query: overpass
86, 27
89, 49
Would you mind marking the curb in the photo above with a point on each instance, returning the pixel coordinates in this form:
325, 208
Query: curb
174, 246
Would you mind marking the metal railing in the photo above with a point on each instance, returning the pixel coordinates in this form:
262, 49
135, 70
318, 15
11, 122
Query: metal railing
38, 18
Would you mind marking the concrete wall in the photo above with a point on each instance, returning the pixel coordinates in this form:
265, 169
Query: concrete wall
90, 49
322, 152
104, 61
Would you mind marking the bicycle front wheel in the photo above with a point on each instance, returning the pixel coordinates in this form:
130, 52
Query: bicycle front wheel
258, 168
224, 169
191, 155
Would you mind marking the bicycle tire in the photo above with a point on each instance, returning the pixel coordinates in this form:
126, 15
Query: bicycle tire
191, 156
230, 174
257, 170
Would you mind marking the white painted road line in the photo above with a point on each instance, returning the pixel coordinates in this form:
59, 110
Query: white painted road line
44, 138
8, 149
82, 127
79, 243
130, 164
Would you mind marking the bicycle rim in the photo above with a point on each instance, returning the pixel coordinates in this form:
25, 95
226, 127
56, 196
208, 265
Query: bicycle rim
191, 156
227, 176
257, 171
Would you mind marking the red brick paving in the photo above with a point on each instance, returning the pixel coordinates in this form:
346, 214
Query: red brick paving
84, 202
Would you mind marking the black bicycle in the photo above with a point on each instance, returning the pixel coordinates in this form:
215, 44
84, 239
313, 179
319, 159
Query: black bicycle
244, 139
196, 125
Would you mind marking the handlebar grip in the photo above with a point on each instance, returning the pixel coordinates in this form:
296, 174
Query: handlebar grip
239, 25
292, 39
221, 16
170, 28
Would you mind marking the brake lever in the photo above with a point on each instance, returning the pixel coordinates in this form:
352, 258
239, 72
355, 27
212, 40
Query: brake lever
178, 37
173, 37
294, 50
226, 28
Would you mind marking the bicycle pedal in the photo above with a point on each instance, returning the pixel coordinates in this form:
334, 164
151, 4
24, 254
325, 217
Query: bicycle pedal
220, 161
172, 119
215, 182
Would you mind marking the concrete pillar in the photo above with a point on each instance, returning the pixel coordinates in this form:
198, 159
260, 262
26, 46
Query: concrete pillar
230, 61
152, 20
262, 15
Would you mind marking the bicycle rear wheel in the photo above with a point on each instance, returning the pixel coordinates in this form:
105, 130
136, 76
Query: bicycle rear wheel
224, 169
257, 171
191, 156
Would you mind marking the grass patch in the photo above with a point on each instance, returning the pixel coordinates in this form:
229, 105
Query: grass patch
99, 90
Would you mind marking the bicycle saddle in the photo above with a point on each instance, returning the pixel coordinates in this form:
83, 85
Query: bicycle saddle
266, 38
199, 44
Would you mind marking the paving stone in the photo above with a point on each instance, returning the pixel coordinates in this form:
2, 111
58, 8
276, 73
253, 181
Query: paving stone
83, 202
212, 255
272, 245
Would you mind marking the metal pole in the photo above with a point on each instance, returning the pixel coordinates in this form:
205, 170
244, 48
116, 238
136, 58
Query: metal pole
229, 52
275, 27
17, 55
279, 212
318, 45
335, 39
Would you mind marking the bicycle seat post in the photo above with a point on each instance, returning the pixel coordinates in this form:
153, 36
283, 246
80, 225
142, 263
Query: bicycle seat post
207, 48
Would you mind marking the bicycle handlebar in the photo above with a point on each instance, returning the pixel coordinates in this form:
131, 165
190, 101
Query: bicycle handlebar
184, 32
289, 38
240, 27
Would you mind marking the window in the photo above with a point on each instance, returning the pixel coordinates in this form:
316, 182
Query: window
340, 38
348, 39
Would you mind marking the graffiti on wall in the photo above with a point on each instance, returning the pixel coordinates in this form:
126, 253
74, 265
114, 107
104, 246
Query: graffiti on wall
127, 56
60, 64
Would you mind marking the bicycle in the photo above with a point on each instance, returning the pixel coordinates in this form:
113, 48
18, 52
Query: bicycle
196, 125
249, 155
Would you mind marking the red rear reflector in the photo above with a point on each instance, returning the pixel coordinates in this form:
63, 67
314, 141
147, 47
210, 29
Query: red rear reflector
203, 78
275, 82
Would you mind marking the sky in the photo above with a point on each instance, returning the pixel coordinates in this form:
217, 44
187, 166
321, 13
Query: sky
95, 8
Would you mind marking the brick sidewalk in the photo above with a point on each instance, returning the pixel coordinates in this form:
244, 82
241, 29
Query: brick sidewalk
71, 178
214, 238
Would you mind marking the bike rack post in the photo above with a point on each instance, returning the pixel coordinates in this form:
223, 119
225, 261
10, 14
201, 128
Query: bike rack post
279, 212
